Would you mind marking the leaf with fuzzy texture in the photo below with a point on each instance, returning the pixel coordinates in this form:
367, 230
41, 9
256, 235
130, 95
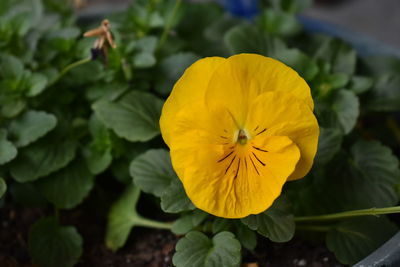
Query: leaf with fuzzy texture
197, 250
354, 239
30, 126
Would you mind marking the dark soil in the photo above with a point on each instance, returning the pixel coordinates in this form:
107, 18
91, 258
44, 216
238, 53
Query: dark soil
146, 247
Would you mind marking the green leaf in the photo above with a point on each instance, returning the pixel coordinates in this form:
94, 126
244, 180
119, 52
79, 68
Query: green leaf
329, 143
3, 187
13, 107
37, 83
134, 117
249, 39
67, 187
42, 158
146, 47
295, 6
360, 84
278, 22
345, 59
121, 218
171, 69
152, 171
197, 250
188, 222
276, 222
7, 150
53, 245
30, 126
97, 161
299, 61
98, 153
221, 224
354, 239
376, 162
246, 236
364, 178
337, 80
385, 94
10, 66
174, 198
144, 60
147, 44
346, 107
87, 73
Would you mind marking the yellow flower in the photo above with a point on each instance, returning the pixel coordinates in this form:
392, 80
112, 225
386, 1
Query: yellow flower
238, 129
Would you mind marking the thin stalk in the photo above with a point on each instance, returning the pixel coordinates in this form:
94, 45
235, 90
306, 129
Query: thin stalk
168, 24
140, 221
348, 214
68, 68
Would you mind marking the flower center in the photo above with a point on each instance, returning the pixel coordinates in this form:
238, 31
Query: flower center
242, 137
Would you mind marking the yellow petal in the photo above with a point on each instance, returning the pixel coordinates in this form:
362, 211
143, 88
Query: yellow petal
281, 114
221, 176
241, 78
189, 88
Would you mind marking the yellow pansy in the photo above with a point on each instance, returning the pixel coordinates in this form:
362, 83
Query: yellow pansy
238, 129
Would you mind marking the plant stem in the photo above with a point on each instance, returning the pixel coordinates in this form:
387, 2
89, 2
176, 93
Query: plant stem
168, 24
348, 214
140, 221
68, 68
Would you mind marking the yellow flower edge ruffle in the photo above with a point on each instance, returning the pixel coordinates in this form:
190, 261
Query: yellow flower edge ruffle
238, 129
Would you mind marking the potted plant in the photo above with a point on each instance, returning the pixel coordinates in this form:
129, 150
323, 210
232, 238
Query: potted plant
80, 140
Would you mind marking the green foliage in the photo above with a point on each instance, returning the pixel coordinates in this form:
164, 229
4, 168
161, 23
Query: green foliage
188, 222
152, 172
276, 222
222, 250
7, 149
67, 187
330, 140
171, 68
121, 218
31, 126
3, 187
246, 236
51, 244
354, 239
70, 126
366, 176
134, 116
34, 161
346, 107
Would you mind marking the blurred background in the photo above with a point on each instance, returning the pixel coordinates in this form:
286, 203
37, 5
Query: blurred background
372, 19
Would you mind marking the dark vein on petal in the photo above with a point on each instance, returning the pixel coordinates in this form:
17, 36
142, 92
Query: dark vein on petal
256, 128
261, 131
224, 137
237, 171
230, 164
245, 163
258, 159
225, 157
254, 165
259, 149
